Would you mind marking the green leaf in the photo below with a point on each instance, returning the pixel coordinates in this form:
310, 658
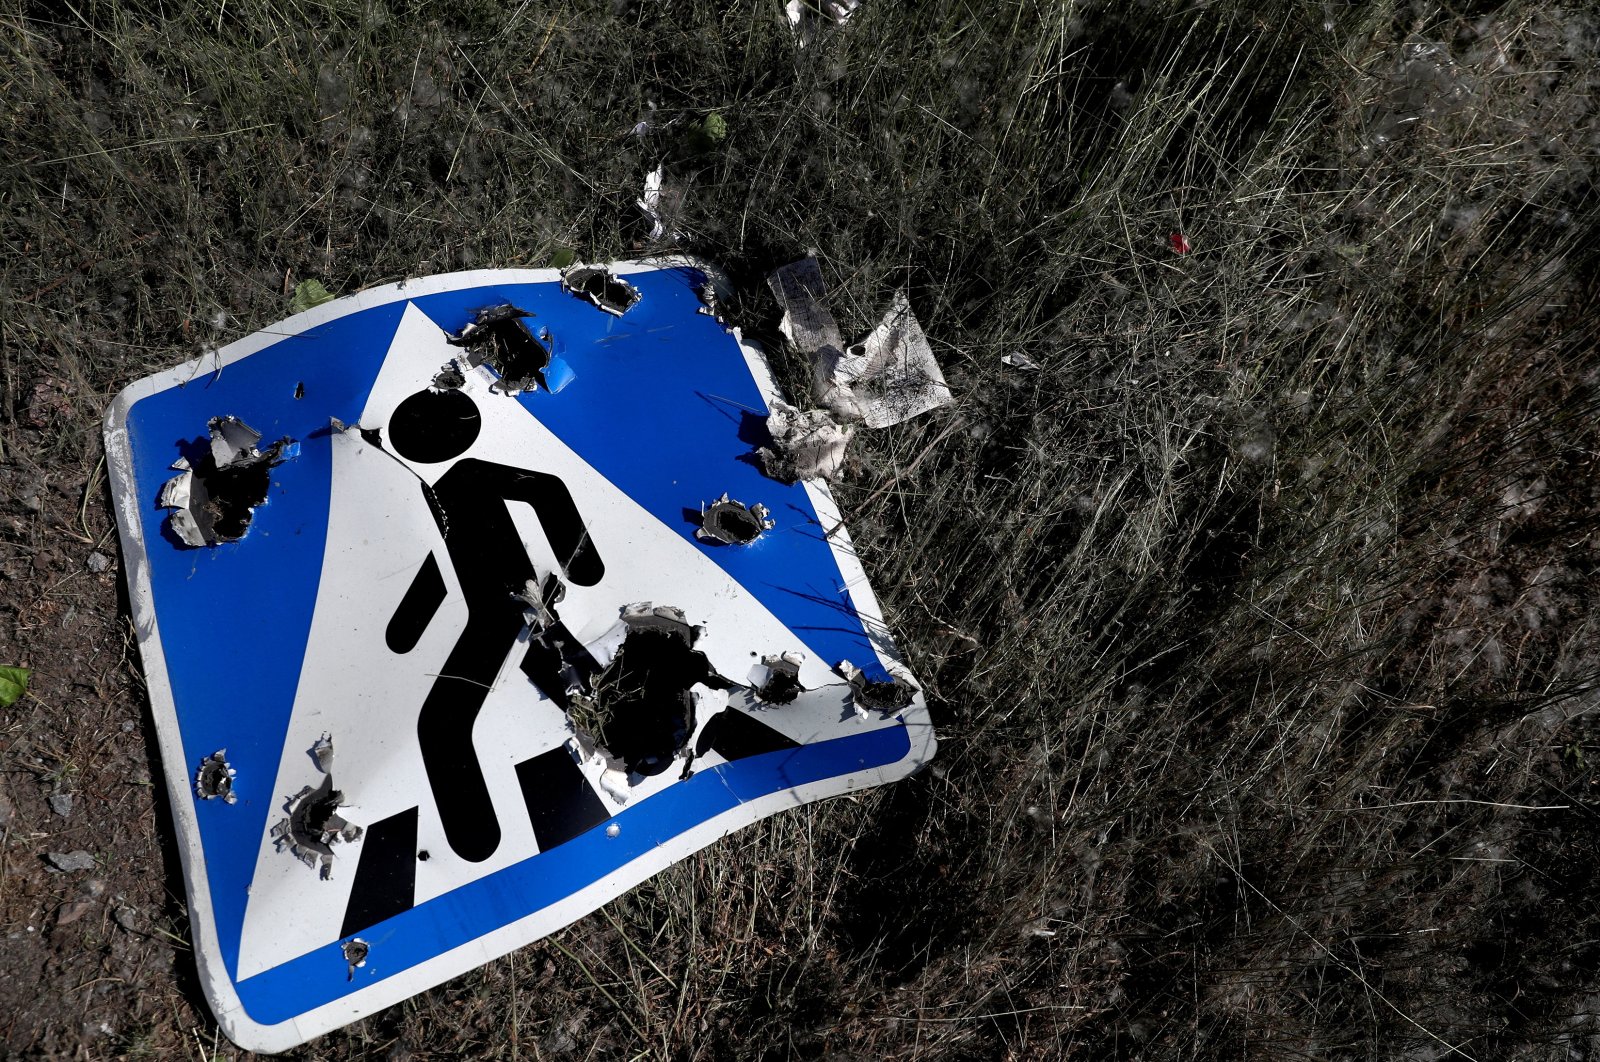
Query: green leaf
309, 293
562, 257
13, 684
715, 128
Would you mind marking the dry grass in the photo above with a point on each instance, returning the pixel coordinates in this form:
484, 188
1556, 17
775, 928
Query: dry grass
1259, 623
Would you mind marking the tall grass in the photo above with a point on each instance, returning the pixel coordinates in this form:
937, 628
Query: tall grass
1259, 622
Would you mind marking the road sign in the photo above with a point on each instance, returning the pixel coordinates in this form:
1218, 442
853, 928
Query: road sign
461, 615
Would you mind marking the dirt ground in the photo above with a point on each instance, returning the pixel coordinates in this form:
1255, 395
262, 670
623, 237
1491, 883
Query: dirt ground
1259, 621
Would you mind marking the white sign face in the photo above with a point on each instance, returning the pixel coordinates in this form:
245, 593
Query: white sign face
473, 648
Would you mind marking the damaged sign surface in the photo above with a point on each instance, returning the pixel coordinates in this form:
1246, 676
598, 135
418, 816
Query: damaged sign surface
509, 555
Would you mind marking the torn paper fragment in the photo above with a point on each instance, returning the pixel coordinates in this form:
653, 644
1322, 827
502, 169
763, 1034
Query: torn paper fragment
808, 17
660, 204
215, 778
1018, 360
806, 322
216, 501
888, 377
732, 523
806, 445
322, 753
875, 695
600, 286
499, 336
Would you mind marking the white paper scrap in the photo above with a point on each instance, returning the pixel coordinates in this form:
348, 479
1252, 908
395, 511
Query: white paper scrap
888, 377
806, 15
806, 321
810, 444
651, 204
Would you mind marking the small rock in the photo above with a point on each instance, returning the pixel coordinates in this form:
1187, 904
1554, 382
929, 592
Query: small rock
61, 804
71, 912
99, 562
127, 918
127, 726
79, 860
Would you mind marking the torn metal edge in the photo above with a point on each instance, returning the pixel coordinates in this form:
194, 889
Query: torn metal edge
732, 523
215, 778
234, 445
599, 286
483, 343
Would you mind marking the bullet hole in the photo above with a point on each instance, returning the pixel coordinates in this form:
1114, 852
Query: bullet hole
450, 378
423, 855
356, 951
878, 695
314, 826
782, 685
300, 390
215, 778
601, 287
499, 337
215, 501
732, 523
639, 707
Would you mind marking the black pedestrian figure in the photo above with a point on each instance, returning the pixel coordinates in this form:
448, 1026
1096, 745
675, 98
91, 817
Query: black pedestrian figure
470, 505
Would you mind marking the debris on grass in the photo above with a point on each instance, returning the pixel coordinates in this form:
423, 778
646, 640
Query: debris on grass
809, 17
600, 286
660, 205
70, 861
807, 444
215, 778
1179, 243
888, 377
877, 695
732, 523
499, 336
216, 501
314, 826
1018, 360
807, 322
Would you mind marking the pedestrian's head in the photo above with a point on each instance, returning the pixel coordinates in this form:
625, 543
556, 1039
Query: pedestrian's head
434, 425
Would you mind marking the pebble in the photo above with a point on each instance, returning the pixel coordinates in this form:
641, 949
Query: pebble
79, 860
61, 804
99, 562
